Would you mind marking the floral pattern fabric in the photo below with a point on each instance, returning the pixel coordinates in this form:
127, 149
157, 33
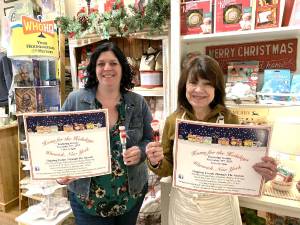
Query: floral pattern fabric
109, 195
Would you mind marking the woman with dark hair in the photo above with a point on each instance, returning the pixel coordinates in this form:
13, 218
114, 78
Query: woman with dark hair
113, 199
201, 97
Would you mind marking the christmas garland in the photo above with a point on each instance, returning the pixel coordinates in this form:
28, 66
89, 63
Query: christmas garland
121, 22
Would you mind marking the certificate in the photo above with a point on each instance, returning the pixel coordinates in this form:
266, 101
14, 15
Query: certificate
74, 144
218, 158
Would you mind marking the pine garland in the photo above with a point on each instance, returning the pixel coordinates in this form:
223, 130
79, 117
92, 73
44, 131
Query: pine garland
153, 16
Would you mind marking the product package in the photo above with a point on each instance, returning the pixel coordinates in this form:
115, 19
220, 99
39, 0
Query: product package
233, 15
196, 17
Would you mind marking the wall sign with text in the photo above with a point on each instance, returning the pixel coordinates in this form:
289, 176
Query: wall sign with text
279, 54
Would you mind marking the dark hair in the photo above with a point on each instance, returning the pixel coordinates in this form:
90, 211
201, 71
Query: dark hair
127, 72
195, 66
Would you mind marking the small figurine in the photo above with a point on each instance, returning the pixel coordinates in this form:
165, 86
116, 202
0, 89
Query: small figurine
123, 137
155, 128
245, 22
206, 26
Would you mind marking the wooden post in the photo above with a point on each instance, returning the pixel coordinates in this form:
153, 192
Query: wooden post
61, 65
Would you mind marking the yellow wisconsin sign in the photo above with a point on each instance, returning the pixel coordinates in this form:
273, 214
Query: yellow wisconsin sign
33, 38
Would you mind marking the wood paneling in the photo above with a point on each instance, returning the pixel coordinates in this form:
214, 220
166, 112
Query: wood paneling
136, 47
9, 175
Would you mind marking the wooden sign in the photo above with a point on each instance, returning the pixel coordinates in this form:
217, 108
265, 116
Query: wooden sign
279, 54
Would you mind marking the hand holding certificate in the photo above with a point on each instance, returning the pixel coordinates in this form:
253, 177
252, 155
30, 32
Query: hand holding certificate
68, 145
219, 158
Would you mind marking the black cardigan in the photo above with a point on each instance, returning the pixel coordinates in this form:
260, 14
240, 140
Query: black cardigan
5, 78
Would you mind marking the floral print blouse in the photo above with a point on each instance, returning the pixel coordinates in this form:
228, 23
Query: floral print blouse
109, 195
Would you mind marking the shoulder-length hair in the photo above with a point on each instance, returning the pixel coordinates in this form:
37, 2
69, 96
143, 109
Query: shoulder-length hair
127, 72
195, 66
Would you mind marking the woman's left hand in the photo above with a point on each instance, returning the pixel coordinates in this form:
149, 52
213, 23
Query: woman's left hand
132, 156
267, 168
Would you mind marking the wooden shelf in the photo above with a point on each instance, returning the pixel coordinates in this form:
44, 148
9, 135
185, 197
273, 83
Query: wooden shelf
238, 36
8, 126
92, 38
35, 197
261, 105
270, 204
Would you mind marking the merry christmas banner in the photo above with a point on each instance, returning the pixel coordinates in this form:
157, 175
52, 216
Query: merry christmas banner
73, 144
218, 158
33, 38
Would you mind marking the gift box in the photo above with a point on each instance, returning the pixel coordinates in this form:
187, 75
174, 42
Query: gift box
151, 79
196, 17
233, 15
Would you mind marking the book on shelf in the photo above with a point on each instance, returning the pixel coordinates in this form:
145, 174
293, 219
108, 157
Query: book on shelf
242, 78
233, 15
22, 73
34, 73
25, 99
295, 88
37, 81
37, 99
48, 72
195, 17
276, 81
268, 13
48, 99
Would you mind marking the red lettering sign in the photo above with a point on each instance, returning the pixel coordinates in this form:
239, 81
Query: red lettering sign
31, 26
279, 54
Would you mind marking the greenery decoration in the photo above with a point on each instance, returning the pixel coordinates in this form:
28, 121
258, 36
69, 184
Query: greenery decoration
119, 21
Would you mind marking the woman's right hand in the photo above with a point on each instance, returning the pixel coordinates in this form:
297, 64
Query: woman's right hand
65, 180
154, 153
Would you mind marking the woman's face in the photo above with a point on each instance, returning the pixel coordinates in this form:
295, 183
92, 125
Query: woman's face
108, 70
199, 93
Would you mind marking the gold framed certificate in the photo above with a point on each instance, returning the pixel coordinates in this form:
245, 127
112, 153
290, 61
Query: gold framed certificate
218, 158
73, 144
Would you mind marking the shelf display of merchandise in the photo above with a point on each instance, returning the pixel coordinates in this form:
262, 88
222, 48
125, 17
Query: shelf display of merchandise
36, 89
235, 46
34, 51
148, 57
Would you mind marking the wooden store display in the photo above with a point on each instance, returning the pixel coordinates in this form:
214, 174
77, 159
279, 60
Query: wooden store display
9, 191
134, 47
182, 44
